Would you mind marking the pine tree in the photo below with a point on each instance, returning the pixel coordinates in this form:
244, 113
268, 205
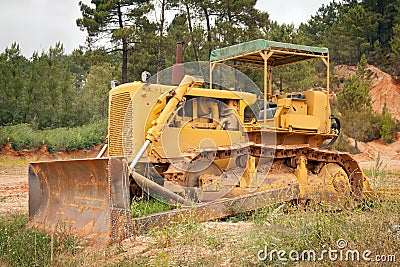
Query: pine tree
387, 125
354, 105
13, 73
115, 20
395, 46
351, 35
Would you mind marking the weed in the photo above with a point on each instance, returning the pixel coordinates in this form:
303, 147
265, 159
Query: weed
268, 214
378, 169
162, 259
380, 177
214, 242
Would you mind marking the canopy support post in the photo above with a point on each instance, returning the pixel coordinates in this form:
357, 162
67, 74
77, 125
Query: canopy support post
212, 67
326, 61
266, 56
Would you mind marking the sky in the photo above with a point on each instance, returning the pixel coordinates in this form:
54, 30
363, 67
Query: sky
38, 24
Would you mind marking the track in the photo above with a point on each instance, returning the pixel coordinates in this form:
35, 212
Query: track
316, 157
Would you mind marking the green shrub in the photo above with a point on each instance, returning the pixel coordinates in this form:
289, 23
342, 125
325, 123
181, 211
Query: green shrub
343, 144
389, 126
23, 136
373, 131
83, 137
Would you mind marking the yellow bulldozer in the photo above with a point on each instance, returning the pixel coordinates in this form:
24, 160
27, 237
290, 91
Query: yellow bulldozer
210, 151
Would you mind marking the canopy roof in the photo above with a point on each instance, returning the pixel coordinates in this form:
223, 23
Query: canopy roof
283, 53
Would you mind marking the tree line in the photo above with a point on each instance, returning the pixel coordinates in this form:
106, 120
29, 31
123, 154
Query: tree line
126, 37
349, 28
53, 89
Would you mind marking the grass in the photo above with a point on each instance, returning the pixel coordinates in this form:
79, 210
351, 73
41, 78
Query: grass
380, 177
14, 161
373, 225
282, 228
143, 207
317, 230
21, 246
188, 243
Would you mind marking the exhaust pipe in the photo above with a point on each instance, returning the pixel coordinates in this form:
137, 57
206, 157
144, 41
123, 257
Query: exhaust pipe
178, 69
168, 196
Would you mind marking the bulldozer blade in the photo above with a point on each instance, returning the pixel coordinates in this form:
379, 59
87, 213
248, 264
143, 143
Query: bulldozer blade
219, 208
88, 197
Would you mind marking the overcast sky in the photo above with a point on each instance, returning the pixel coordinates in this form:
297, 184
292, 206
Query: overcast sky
38, 24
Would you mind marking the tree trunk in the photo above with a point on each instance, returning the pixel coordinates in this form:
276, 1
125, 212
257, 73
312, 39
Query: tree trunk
232, 41
355, 134
160, 42
191, 32
207, 16
124, 47
124, 61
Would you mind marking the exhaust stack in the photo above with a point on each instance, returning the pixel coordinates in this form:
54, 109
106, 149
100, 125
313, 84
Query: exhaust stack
178, 69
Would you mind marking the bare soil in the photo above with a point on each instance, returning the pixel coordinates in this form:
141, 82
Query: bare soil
389, 154
13, 192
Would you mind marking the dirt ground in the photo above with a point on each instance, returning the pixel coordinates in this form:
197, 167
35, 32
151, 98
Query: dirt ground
13, 189
389, 154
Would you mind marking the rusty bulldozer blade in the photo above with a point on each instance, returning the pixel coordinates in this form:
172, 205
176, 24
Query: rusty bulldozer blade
89, 197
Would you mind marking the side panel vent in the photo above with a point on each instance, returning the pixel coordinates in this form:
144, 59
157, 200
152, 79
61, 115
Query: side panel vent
119, 105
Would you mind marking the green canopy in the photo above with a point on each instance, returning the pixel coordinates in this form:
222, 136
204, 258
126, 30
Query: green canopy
283, 53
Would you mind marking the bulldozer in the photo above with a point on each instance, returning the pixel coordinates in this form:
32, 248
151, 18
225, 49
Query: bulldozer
209, 151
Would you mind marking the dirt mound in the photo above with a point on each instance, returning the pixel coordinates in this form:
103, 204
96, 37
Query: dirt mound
384, 87
42, 153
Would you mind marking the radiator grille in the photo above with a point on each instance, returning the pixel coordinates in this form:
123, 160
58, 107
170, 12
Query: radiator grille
119, 104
